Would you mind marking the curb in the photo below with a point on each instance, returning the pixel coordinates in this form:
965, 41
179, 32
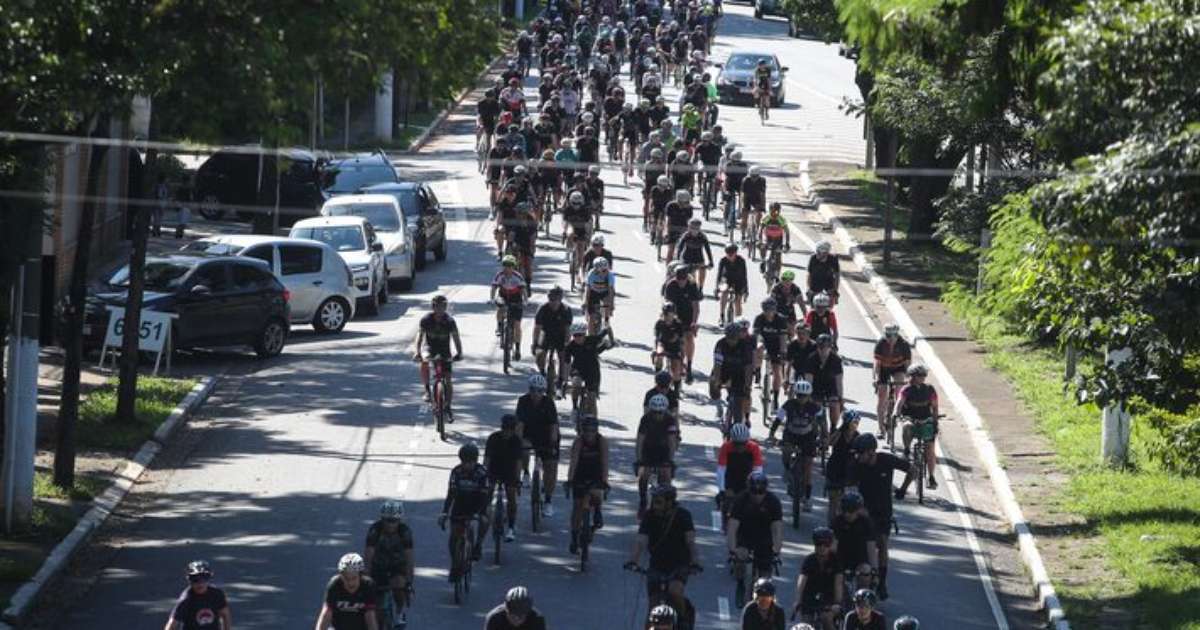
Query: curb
423, 139
104, 505
1026, 541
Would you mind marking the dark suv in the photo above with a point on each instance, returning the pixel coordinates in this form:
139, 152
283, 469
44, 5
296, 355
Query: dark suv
348, 175
240, 181
422, 215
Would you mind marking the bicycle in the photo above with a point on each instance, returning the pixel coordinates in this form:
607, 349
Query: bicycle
768, 374
462, 561
737, 568
887, 425
764, 105
923, 432
389, 609
707, 198
442, 393
728, 305
731, 413
551, 373
657, 583
508, 321
587, 529
499, 517
774, 265
731, 216
535, 494
483, 145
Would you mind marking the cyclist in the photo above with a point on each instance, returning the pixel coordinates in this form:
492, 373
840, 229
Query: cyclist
662, 385
516, 613
545, 184
582, 356
669, 332
775, 234
502, 456
683, 173
762, 85
660, 112
685, 294
691, 120
487, 113
918, 403
496, 158
537, 424
657, 440
732, 271
787, 294
509, 285
599, 290
772, 328
577, 225
819, 587
754, 199
657, 198
587, 476
800, 417
824, 272
853, 529
892, 358
434, 334
864, 616
550, 327
841, 441
872, 471
708, 153
512, 99
597, 250
668, 536
566, 159
738, 458
822, 320
678, 214
349, 597
755, 528
824, 370
798, 351
733, 360
763, 613
468, 494
907, 622
595, 193
201, 604
389, 556
522, 238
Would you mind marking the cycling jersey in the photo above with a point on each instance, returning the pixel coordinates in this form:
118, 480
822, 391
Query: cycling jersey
589, 465
762, 77
538, 421
497, 619
824, 374
554, 323
755, 618
692, 247
685, 298
669, 392
513, 99
670, 335
438, 331
754, 522
488, 110
733, 272
822, 274
755, 189
584, 358
774, 228
875, 485
503, 451
390, 556
678, 215
875, 621
601, 282
822, 573
798, 353
709, 153
773, 332
510, 285
918, 400
468, 491
732, 355
349, 609
667, 533
821, 323
656, 435
799, 417
735, 466
735, 174
892, 355
690, 119
591, 254
852, 538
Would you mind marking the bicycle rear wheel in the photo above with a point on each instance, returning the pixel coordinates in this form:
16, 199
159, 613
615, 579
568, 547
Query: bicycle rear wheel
919, 465
535, 497
439, 409
506, 343
768, 374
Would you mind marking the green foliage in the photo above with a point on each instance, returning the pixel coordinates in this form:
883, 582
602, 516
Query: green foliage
1178, 446
963, 213
156, 398
816, 17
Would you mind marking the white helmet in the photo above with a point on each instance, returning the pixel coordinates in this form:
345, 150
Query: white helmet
891, 330
822, 299
753, 170
659, 403
600, 264
537, 382
739, 433
588, 117
663, 180
578, 328
802, 388
736, 155
391, 509
683, 196
598, 240
824, 246
576, 198
351, 562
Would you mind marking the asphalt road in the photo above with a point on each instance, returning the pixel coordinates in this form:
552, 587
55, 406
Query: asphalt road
287, 466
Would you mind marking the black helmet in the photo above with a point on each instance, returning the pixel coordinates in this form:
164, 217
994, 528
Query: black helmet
764, 586
731, 248
508, 421
907, 622
757, 482
864, 442
589, 422
822, 536
517, 601
851, 501
665, 491
662, 378
661, 613
199, 567
468, 452
556, 292
866, 597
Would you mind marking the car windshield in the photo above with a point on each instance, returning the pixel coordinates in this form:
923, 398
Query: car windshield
345, 179
748, 62
161, 275
344, 238
212, 247
381, 215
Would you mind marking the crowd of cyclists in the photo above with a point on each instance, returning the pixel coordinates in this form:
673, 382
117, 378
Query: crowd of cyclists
548, 161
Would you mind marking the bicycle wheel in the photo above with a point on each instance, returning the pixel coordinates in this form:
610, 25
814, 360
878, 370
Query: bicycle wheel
535, 497
460, 568
551, 374
439, 409
585, 538
889, 419
768, 373
506, 343
919, 465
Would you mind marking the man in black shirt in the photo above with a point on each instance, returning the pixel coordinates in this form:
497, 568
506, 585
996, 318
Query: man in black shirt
754, 198
853, 529
824, 272
502, 457
763, 613
686, 296
864, 616
669, 536
772, 328
583, 356
872, 472
658, 195
798, 352
201, 606
755, 528
819, 588
824, 370
349, 598
537, 424
657, 439
678, 213
516, 613
662, 385
732, 270
550, 328
588, 147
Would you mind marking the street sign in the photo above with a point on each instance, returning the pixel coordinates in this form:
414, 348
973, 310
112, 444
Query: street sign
154, 333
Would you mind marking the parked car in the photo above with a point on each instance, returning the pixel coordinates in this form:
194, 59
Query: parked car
320, 282
348, 175
240, 182
423, 214
221, 301
736, 79
384, 214
764, 8
355, 241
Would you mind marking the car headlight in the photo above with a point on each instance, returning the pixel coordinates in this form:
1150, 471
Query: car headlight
358, 268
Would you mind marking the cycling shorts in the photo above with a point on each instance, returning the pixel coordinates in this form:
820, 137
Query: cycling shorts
596, 299
888, 374
654, 455
805, 443
673, 351
693, 256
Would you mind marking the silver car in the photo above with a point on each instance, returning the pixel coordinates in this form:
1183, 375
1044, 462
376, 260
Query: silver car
318, 280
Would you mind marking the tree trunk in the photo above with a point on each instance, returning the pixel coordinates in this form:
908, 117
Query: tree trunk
68, 409
866, 83
925, 189
127, 387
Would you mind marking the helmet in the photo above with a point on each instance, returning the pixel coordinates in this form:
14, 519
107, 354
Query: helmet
518, 601
907, 622
199, 567
548, 154
592, 170
788, 275
739, 433
764, 587
391, 510
850, 415
757, 481
662, 377
519, 170
801, 626
664, 491
576, 198
752, 171
688, 107
822, 299
508, 421
769, 304
578, 328
864, 442
351, 562
555, 293
865, 597
600, 264
732, 328
696, 223
439, 299
659, 403
851, 501
468, 452
514, 82
683, 196
891, 330
627, 107
656, 154
731, 248
682, 156
537, 382
509, 261
668, 307
802, 388
743, 324
823, 246
917, 370
587, 117
707, 135
665, 124
663, 180
662, 613
598, 240
644, 103
681, 269
589, 422
736, 155
822, 536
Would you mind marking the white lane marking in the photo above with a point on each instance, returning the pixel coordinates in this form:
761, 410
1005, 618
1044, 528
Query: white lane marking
716, 520
401, 487
638, 234
710, 452
407, 467
412, 444
723, 608
985, 576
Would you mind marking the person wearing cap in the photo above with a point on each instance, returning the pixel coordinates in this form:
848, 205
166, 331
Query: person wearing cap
820, 584
515, 613
582, 356
824, 370
587, 476
389, 556
350, 598
731, 271
685, 294
551, 326
872, 472
824, 272
893, 355
917, 404
201, 606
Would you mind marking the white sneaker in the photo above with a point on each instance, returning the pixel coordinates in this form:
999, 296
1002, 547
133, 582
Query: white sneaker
509, 536
547, 510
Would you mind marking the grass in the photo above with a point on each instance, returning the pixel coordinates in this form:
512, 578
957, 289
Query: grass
1142, 523
99, 428
86, 487
18, 569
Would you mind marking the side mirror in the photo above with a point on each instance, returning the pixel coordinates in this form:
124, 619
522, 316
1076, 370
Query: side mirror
783, 69
718, 65
376, 247
201, 289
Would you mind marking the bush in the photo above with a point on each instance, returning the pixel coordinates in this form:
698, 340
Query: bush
962, 213
1177, 448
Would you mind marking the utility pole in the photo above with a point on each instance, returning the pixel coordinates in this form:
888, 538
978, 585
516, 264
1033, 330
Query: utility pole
890, 209
20, 426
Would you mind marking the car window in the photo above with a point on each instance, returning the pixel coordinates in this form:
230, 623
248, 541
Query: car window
215, 276
247, 276
264, 253
343, 238
349, 178
749, 62
159, 275
410, 202
381, 215
294, 259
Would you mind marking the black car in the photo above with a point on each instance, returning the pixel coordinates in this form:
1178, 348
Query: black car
350, 174
220, 300
241, 181
422, 214
736, 80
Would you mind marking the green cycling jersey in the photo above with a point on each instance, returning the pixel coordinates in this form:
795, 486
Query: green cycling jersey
690, 119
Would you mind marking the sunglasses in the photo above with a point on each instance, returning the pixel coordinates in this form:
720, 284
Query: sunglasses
196, 579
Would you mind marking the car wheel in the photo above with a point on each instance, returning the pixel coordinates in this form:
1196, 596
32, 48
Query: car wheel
272, 339
757, 13
210, 207
383, 288
440, 251
419, 256
331, 316
369, 305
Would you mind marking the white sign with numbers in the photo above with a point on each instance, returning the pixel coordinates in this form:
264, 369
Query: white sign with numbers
154, 333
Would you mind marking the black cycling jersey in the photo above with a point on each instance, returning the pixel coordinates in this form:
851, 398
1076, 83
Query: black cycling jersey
876, 621
554, 322
735, 174
800, 416
438, 332
584, 357
667, 534
669, 392
497, 619
589, 464
349, 610
469, 490
503, 453
755, 189
678, 214
538, 420
733, 272
755, 618
823, 274
852, 538
824, 373
875, 483
819, 589
670, 335
754, 521
732, 354
709, 153
660, 196
773, 332
685, 297
693, 247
